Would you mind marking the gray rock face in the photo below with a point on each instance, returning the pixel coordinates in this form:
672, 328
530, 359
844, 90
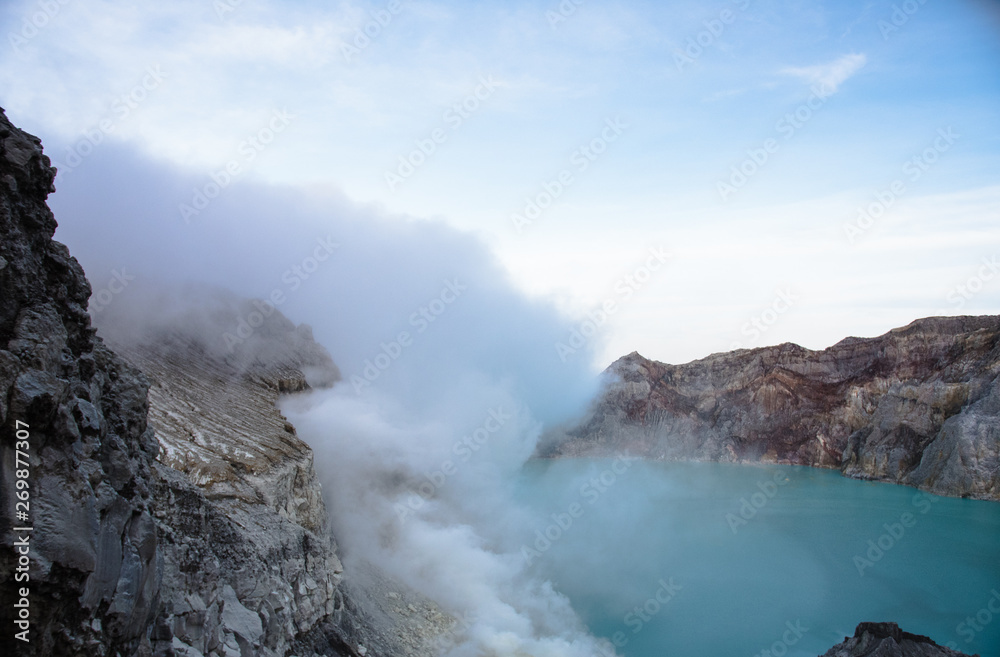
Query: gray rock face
249, 563
250, 567
887, 640
95, 568
917, 406
203, 533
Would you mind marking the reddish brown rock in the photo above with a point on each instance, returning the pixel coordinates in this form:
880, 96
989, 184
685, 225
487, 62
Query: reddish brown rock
919, 405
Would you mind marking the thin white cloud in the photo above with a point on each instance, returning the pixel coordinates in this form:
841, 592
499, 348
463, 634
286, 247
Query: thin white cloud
830, 76
723, 94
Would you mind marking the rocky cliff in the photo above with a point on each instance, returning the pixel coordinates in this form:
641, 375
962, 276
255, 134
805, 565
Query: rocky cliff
887, 640
94, 552
249, 565
173, 510
917, 406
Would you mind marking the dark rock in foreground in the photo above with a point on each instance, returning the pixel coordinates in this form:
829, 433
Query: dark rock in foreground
95, 569
887, 640
919, 405
178, 519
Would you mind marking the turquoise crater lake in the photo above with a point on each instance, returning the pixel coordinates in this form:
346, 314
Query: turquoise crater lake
721, 560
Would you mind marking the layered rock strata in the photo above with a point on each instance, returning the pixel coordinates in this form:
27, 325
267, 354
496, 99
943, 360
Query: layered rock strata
250, 566
919, 405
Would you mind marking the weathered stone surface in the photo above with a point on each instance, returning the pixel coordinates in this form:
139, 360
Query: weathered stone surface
918, 406
249, 563
250, 567
207, 537
94, 568
887, 640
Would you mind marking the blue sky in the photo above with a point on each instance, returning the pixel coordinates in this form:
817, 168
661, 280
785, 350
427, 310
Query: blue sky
875, 84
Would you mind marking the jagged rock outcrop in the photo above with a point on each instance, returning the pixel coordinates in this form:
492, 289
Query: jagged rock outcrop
249, 563
250, 567
917, 406
174, 515
95, 562
887, 640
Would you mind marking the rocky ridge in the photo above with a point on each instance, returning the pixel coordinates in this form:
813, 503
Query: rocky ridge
250, 566
887, 640
919, 406
95, 558
175, 510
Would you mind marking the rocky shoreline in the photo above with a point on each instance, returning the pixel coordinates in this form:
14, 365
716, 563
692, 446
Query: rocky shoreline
918, 406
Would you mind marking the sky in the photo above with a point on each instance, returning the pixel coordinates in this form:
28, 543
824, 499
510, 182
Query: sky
676, 178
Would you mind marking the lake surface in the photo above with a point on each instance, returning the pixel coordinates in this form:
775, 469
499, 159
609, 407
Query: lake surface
720, 560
